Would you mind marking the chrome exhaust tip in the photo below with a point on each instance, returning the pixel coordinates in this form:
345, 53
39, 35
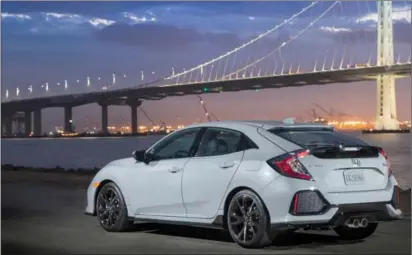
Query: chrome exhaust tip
364, 223
353, 223
356, 223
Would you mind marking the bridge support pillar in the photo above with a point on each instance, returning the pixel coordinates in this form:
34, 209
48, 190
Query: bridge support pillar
133, 107
7, 124
27, 123
37, 122
386, 118
68, 119
105, 118
134, 119
135, 126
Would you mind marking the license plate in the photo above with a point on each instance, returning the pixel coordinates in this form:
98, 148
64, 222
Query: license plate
354, 177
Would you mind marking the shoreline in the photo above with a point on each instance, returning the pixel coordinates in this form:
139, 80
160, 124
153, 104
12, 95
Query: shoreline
81, 178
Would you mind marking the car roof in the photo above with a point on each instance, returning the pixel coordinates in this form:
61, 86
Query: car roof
265, 124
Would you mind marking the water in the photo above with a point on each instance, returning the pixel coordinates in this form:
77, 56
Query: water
398, 148
96, 152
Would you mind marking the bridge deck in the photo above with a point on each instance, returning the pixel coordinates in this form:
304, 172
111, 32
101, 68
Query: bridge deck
130, 95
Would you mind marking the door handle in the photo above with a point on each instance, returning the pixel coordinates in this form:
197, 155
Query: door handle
227, 165
174, 170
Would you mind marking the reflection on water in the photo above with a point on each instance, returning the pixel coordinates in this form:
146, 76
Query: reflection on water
97, 152
398, 148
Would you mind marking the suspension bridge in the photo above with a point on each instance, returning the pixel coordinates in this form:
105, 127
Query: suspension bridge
260, 63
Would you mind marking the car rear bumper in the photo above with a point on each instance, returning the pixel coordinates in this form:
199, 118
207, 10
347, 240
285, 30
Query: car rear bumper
338, 215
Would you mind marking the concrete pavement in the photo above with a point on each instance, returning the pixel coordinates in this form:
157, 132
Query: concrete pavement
47, 217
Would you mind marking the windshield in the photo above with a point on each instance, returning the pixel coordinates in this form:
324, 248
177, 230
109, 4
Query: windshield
318, 138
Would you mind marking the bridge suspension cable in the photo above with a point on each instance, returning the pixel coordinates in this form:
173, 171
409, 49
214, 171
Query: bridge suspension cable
285, 43
260, 36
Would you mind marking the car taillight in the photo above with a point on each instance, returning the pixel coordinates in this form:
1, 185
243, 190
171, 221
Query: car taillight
289, 165
383, 153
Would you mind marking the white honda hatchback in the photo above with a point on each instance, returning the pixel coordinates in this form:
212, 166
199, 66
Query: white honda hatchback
256, 179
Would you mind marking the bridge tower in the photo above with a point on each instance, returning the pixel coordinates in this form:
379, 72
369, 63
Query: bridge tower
386, 103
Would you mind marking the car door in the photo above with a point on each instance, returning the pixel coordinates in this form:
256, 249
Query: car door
157, 185
208, 174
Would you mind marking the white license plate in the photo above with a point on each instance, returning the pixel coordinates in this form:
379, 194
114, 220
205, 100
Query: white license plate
354, 177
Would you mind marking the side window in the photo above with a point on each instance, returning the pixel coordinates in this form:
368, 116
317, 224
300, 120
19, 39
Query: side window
218, 141
179, 145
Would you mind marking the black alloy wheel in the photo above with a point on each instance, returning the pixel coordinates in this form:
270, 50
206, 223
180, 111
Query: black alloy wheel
248, 220
111, 209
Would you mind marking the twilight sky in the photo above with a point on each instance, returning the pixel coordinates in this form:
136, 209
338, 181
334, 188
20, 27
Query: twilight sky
56, 41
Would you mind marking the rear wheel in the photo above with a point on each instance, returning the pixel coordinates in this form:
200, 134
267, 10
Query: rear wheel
111, 209
356, 233
248, 221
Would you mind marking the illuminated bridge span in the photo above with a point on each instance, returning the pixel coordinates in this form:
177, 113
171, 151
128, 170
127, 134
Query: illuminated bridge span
244, 68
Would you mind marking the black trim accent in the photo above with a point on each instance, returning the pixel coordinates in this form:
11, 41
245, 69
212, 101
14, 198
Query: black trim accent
219, 221
89, 214
326, 204
336, 220
278, 130
376, 212
214, 225
246, 143
196, 143
395, 197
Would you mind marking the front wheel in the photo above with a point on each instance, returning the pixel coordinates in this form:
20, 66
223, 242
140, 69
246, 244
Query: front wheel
111, 209
248, 220
356, 233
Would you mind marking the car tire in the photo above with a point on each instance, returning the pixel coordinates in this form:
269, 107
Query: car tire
356, 233
114, 216
252, 215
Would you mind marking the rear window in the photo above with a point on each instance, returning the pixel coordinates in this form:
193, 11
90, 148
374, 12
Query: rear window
309, 138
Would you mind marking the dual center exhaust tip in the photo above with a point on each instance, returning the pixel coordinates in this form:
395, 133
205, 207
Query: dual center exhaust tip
357, 223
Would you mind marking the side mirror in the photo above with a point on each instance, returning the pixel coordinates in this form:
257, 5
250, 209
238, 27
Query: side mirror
142, 156
139, 155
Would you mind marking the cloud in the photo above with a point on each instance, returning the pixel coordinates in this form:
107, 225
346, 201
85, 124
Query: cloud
15, 16
64, 17
97, 22
162, 37
150, 17
401, 33
52, 22
333, 29
402, 14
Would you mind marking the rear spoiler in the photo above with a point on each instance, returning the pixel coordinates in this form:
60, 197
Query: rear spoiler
302, 129
345, 152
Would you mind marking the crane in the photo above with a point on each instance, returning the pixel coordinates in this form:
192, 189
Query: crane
147, 116
205, 110
313, 114
323, 109
162, 125
341, 114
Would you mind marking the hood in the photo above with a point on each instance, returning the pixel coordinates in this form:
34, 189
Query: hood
121, 162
